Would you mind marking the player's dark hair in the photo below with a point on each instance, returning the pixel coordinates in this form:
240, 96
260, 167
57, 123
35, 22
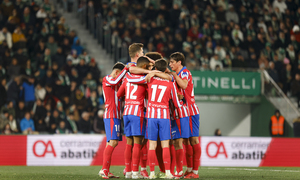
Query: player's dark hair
161, 65
154, 55
119, 66
134, 48
142, 61
178, 56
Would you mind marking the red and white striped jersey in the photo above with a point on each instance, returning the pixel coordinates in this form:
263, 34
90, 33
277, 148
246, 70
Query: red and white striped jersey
134, 97
160, 91
181, 112
188, 93
110, 88
136, 78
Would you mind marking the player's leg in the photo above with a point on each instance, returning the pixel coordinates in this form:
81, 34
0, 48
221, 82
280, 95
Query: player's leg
178, 144
173, 156
165, 136
113, 136
136, 155
189, 149
152, 131
194, 140
159, 156
166, 158
129, 145
143, 158
144, 153
180, 130
128, 156
138, 129
151, 158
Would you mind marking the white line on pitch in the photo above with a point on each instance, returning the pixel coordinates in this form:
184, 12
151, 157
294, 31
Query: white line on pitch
246, 169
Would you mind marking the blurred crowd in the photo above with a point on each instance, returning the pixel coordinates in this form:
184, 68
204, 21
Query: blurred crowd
50, 84
48, 81
213, 34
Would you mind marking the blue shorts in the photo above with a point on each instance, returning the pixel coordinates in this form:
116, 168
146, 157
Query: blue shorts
146, 131
134, 125
159, 127
180, 128
194, 125
113, 129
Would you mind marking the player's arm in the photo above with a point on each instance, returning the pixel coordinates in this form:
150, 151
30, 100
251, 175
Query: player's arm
118, 79
121, 91
138, 70
175, 99
136, 79
180, 96
182, 83
160, 75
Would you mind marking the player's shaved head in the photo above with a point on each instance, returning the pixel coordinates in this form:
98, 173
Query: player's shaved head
161, 65
142, 61
119, 66
178, 56
134, 48
154, 55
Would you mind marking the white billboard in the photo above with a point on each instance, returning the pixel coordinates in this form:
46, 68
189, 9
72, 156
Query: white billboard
233, 151
71, 150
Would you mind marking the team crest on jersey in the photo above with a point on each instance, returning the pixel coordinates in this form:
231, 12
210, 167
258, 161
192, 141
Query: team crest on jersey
184, 75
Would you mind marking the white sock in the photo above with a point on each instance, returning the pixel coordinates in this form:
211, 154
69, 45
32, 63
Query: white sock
152, 173
195, 172
189, 169
135, 172
128, 173
143, 169
168, 172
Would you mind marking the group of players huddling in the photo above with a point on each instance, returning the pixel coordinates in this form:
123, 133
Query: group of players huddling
159, 107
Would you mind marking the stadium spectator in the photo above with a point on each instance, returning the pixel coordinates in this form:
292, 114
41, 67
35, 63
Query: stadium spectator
4, 119
286, 78
13, 124
28, 91
20, 111
3, 92
7, 130
62, 128
214, 61
6, 36
18, 39
217, 132
72, 123
295, 88
277, 125
99, 123
27, 125
41, 127
85, 123
9, 108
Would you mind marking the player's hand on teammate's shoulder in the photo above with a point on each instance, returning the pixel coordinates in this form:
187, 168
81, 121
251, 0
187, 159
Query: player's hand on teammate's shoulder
149, 76
151, 60
155, 71
180, 96
172, 73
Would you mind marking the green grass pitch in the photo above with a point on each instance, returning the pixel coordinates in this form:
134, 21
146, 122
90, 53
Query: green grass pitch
90, 172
